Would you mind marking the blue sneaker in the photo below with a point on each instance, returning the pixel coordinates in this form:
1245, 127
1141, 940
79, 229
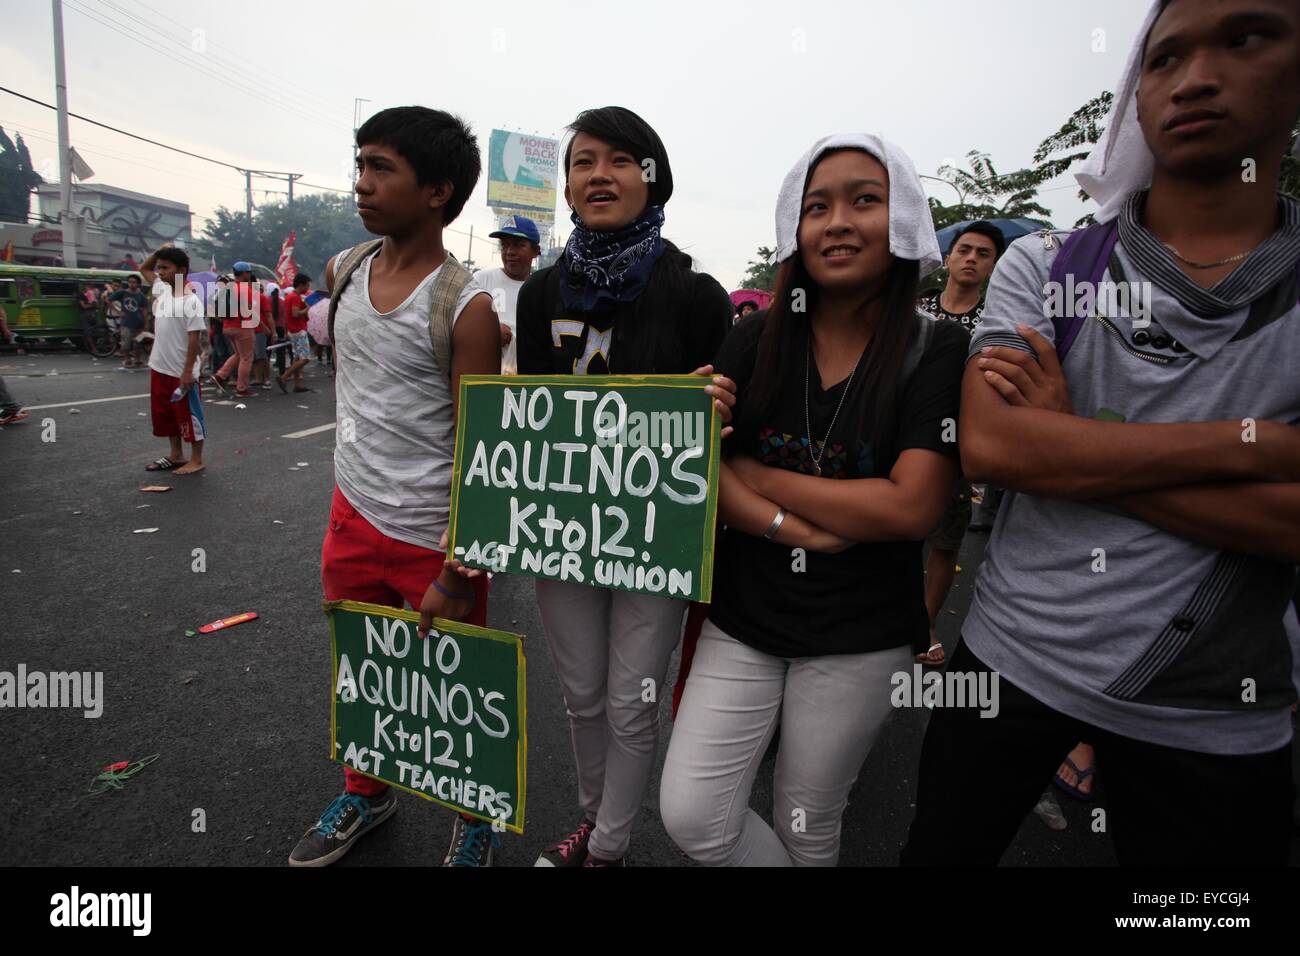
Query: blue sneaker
347, 818
472, 843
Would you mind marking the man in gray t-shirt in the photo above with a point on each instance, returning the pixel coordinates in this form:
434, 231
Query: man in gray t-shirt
1134, 588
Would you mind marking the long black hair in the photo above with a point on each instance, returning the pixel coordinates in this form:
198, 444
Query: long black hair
649, 341
786, 338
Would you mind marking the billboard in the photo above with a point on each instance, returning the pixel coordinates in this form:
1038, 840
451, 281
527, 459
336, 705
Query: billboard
522, 171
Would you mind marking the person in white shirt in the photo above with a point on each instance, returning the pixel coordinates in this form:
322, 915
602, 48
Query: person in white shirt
174, 362
520, 245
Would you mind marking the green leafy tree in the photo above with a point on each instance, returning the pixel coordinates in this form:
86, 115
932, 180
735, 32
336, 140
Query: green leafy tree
984, 193
325, 224
17, 179
761, 273
1057, 154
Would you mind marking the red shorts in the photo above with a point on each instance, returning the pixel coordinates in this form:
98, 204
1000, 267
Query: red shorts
358, 562
183, 417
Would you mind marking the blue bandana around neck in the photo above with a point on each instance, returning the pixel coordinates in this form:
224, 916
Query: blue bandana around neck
607, 267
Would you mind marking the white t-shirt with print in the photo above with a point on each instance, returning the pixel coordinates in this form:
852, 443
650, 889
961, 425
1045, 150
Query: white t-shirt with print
396, 429
173, 320
490, 280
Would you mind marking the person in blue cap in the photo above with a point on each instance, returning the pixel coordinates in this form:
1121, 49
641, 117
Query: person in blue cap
520, 245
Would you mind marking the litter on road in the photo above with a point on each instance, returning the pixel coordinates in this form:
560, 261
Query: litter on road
157, 488
144, 530
227, 622
115, 776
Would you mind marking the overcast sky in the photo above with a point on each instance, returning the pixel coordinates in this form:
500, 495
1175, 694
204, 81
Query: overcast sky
736, 90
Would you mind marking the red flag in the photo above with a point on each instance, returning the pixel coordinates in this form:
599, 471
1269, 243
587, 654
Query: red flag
8, 254
285, 269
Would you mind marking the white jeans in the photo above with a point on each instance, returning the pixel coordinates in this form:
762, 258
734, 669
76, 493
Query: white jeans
611, 651
831, 710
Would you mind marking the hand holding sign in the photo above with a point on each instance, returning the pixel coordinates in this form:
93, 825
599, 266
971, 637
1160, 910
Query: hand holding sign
723, 391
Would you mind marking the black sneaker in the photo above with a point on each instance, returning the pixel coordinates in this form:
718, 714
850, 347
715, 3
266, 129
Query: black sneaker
596, 864
472, 843
347, 818
570, 850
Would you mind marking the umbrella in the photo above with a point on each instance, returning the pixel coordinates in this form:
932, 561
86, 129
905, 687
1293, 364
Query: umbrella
206, 282
1011, 229
318, 321
757, 296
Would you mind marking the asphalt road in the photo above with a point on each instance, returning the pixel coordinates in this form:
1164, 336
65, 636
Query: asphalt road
239, 719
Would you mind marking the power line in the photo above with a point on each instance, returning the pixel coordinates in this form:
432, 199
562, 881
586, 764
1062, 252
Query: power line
274, 88
144, 139
247, 90
302, 91
96, 149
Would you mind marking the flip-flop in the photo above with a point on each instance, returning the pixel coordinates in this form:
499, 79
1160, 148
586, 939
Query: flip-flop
164, 464
16, 417
925, 658
280, 382
1075, 791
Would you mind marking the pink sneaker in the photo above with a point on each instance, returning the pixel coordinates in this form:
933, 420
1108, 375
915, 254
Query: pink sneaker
571, 850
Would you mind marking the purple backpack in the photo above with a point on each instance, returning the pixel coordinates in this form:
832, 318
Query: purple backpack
1085, 256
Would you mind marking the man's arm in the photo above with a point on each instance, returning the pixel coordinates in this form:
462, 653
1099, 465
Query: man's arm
1059, 455
191, 354
1259, 518
474, 345
474, 351
147, 269
906, 506
742, 508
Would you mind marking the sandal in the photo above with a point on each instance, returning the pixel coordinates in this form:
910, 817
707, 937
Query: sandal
928, 659
163, 464
1074, 791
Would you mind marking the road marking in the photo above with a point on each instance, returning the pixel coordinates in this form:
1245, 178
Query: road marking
89, 401
310, 431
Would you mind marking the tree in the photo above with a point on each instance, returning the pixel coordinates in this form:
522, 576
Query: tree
1059, 152
325, 225
984, 193
17, 179
761, 274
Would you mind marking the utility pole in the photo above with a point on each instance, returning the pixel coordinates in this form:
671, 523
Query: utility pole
69, 223
291, 177
356, 125
248, 194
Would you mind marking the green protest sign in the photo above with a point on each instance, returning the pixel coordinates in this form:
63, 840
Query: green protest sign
608, 480
442, 718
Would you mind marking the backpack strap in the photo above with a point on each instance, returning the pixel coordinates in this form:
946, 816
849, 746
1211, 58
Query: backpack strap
343, 275
444, 293
1085, 256
916, 348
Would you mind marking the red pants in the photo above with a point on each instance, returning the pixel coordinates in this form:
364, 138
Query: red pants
360, 563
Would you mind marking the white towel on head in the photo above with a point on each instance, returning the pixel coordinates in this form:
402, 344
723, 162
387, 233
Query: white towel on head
1121, 163
911, 228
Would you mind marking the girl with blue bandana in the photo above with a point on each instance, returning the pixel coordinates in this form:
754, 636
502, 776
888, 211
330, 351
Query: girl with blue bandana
620, 300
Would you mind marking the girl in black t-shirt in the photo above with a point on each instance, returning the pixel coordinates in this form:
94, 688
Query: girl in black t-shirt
842, 460
621, 300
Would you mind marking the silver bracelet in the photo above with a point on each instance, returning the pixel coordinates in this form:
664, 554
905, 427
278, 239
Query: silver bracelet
770, 533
